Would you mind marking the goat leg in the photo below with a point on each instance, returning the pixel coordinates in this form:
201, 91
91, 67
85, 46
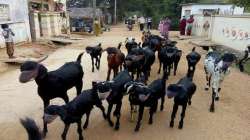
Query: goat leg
45, 128
175, 66
159, 71
79, 129
110, 106
138, 125
117, 113
175, 108
79, 88
103, 110
212, 104
207, 79
87, 120
65, 131
65, 98
108, 76
151, 112
182, 116
162, 102
93, 63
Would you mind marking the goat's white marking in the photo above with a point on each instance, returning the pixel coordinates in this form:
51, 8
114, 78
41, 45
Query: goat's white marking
215, 70
104, 95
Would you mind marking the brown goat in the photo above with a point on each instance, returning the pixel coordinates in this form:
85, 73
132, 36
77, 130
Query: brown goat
115, 60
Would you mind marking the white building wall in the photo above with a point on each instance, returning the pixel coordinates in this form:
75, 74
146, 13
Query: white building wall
19, 20
224, 9
232, 31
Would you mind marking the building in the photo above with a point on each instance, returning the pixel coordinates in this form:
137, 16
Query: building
15, 14
47, 18
81, 19
32, 19
210, 9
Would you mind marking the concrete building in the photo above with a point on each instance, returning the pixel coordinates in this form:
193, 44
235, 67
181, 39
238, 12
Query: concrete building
211, 9
15, 14
47, 18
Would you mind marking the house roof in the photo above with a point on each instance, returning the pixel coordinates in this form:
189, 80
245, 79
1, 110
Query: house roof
214, 3
83, 12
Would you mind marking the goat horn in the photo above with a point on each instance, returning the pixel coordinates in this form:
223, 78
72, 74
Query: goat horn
45, 57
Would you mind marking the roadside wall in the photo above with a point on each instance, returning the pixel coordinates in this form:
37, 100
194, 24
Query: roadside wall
231, 31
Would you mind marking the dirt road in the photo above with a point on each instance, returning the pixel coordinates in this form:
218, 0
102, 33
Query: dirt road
231, 121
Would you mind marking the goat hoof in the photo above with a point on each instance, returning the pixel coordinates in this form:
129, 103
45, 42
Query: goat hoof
189, 103
111, 123
206, 89
171, 124
137, 129
211, 109
150, 122
180, 126
44, 134
85, 127
117, 127
217, 98
161, 108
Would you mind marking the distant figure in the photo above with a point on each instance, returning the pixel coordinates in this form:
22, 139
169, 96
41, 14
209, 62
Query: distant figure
97, 27
160, 27
182, 25
190, 22
149, 23
142, 23
8, 36
166, 27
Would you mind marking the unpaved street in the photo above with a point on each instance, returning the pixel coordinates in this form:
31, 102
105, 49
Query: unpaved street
231, 120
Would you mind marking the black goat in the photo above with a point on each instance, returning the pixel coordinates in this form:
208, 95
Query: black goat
55, 83
182, 93
31, 128
95, 53
73, 111
130, 43
146, 96
140, 60
192, 58
116, 96
170, 57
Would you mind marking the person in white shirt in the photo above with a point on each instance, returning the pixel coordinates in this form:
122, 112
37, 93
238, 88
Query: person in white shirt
8, 36
142, 23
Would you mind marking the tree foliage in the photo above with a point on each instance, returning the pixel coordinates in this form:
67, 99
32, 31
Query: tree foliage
243, 3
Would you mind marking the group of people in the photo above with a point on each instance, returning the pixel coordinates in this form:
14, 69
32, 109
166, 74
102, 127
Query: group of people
164, 27
145, 21
186, 25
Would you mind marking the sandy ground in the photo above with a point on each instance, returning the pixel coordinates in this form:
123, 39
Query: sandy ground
231, 121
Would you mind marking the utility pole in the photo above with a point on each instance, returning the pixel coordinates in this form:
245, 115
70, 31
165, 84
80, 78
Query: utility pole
115, 13
94, 9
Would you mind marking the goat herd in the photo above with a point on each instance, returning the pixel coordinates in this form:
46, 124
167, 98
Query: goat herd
138, 61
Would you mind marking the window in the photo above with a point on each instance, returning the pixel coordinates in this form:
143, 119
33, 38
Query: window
4, 12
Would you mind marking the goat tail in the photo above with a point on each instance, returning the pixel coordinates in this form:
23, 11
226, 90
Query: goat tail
31, 128
78, 60
193, 49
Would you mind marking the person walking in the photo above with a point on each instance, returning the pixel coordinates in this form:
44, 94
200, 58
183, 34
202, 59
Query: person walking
182, 25
97, 27
149, 23
190, 22
8, 36
142, 23
166, 27
160, 27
